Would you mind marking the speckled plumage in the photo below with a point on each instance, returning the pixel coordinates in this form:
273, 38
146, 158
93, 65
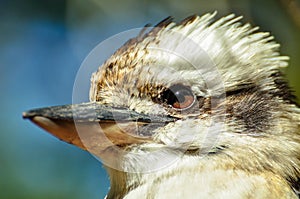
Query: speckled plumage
257, 153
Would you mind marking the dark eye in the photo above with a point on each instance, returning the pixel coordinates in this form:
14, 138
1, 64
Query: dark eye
179, 97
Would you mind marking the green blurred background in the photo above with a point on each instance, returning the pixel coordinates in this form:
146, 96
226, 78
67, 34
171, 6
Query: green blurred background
42, 45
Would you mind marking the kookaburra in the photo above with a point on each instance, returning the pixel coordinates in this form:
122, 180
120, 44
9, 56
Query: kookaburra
195, 109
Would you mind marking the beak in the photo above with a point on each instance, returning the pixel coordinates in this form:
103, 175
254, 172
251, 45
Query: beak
93, 126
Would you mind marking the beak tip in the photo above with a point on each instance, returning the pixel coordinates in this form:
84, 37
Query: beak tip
28, 115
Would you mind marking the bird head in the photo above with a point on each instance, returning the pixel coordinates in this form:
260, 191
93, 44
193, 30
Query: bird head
197, 89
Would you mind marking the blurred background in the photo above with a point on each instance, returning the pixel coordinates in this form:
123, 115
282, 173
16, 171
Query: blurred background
42, 45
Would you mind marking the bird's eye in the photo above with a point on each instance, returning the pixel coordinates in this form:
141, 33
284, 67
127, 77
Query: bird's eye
179, 97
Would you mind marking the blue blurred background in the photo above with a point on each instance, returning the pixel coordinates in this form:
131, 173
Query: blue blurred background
43, 43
